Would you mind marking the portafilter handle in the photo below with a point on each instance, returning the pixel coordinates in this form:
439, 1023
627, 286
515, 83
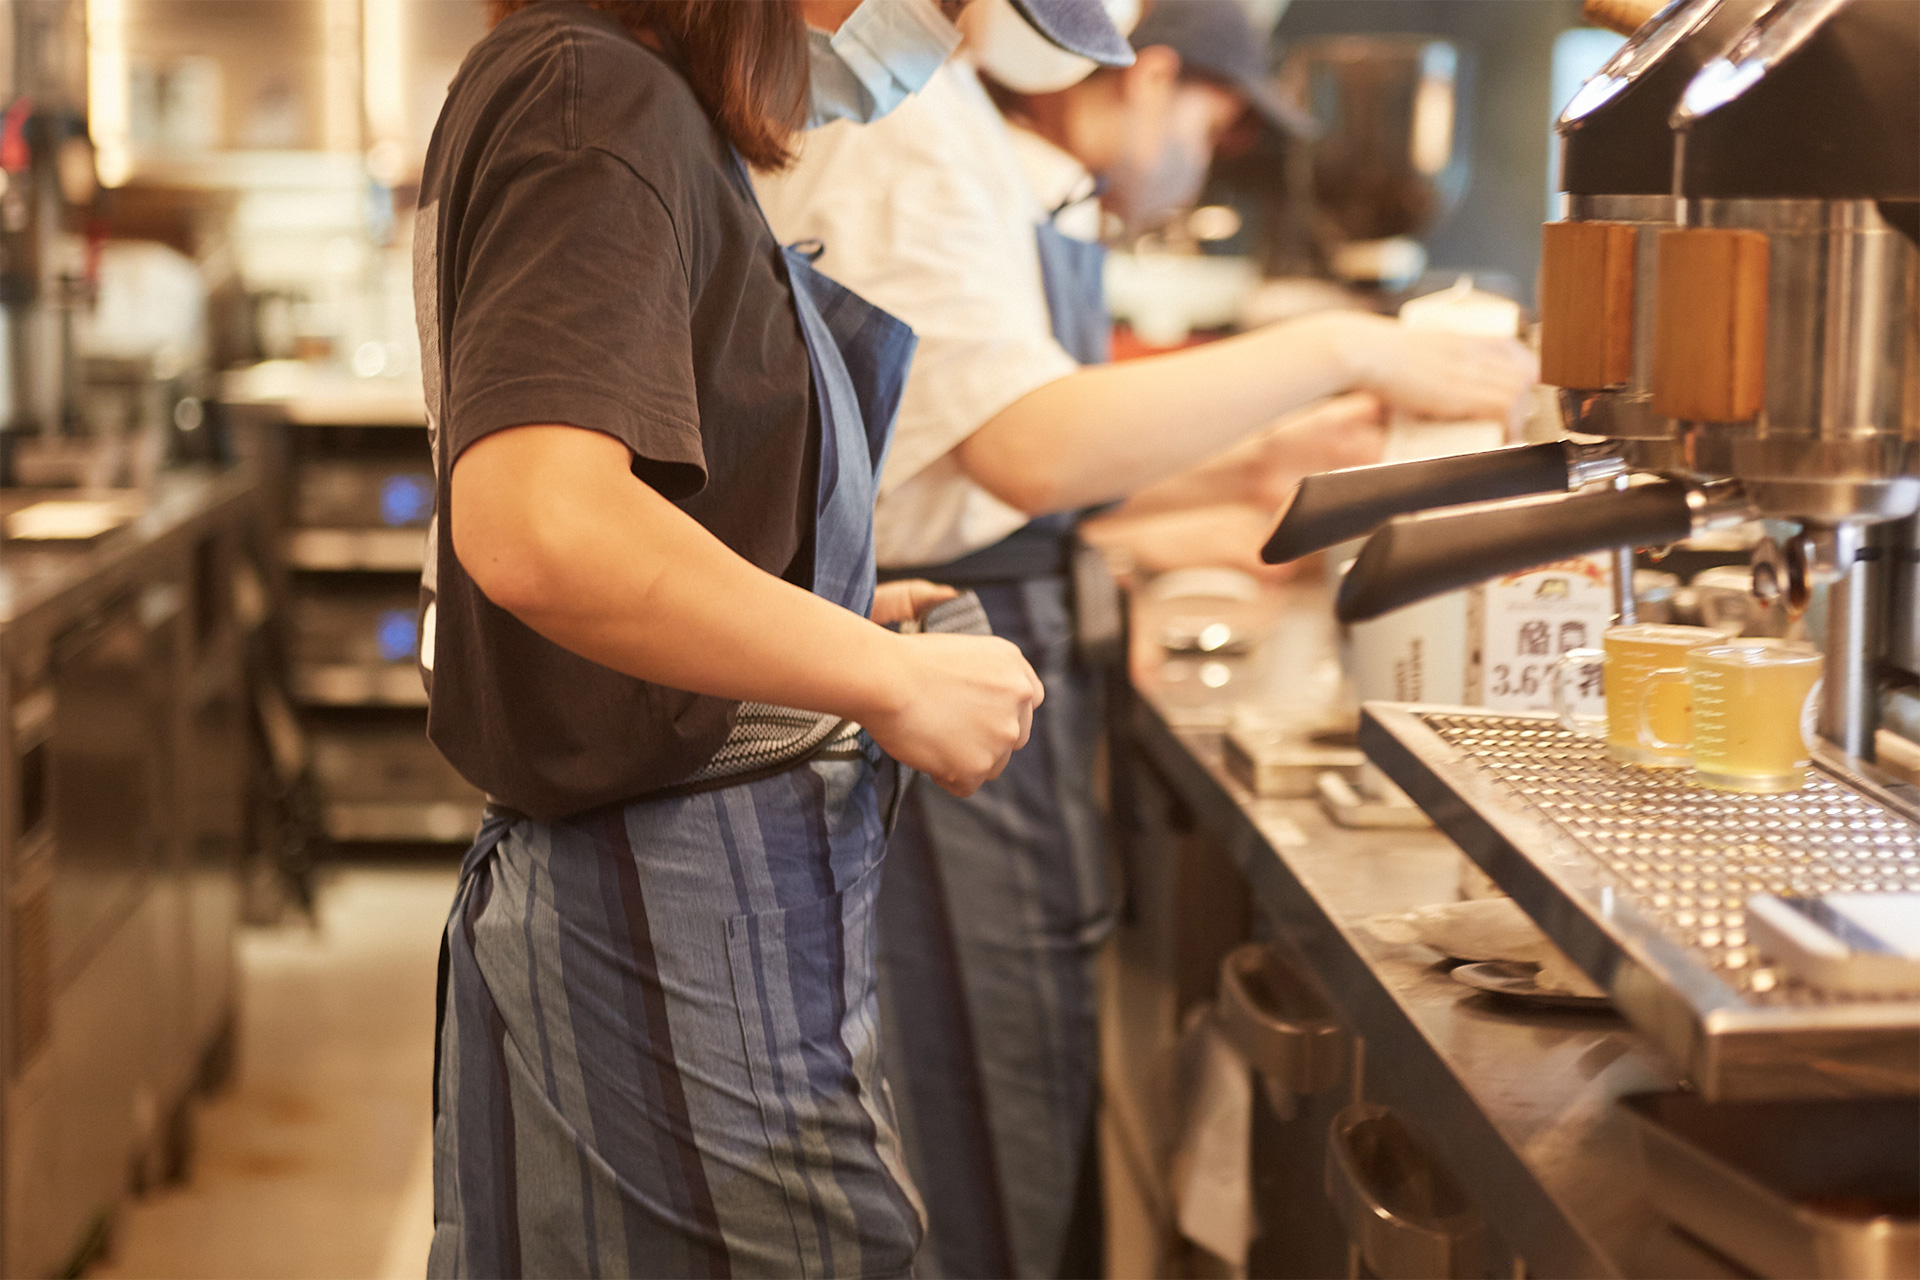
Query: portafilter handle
1333, 506
1413, 558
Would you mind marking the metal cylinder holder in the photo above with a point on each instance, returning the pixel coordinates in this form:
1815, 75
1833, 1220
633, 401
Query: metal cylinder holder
1815, 406
1279, 1022
1403, 1213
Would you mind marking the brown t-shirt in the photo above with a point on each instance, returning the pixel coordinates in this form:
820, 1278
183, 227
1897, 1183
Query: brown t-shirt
588, 253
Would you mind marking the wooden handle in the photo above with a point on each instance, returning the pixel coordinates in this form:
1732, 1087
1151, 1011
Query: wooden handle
1586, 304
1623, 16
1710, 325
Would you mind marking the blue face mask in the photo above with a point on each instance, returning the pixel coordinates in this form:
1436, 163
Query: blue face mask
885, 51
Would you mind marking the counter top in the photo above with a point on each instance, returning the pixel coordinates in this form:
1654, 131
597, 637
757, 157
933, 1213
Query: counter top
35, 578
1518, 1104
296, 392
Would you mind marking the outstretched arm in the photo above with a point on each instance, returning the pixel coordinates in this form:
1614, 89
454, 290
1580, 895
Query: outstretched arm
1103, 432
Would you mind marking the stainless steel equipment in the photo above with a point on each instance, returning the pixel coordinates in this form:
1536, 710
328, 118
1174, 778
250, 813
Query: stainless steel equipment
46, 161
123, 818
1617, 170
1745, 343
1599, 265
1597, 276
1780, 374
1643, 879
1791, 1189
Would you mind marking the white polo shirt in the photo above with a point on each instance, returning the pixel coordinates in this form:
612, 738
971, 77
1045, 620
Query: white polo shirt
929, 213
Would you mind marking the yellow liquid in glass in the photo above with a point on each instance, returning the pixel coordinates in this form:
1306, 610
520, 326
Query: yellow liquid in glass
1633, 655
1753, 712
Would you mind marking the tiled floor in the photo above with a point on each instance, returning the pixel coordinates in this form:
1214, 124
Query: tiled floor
315, 1162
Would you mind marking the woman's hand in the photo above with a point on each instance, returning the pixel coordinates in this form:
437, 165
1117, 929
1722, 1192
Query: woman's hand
1226, 535
906, 600
1432, 373
955, 707
1346, 431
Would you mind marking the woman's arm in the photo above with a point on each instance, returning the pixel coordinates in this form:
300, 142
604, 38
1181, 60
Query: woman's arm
553, 527
1105, 431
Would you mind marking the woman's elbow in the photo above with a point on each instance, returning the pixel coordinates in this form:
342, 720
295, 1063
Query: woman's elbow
507, 559
1013, 475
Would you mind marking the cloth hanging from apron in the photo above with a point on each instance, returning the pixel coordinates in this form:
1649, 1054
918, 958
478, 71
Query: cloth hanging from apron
991, 916
657, 1051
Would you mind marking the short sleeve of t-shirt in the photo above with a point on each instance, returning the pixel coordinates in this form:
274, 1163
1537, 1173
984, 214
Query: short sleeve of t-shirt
587, 253
574, 309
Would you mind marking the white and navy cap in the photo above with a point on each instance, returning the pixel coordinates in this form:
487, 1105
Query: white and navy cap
1078, 26
1217, 38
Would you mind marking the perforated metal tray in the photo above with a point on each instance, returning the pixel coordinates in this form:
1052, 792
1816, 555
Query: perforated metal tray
1642, 877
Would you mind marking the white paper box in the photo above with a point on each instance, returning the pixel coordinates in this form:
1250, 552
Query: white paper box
1492, 646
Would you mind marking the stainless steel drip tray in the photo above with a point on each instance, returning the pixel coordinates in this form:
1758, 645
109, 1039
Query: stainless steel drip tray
1642, 879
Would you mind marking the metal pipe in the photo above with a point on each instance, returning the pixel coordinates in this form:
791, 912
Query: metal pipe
1625, 609
1848, 699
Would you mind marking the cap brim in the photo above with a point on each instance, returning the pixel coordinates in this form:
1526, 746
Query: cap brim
1078, 26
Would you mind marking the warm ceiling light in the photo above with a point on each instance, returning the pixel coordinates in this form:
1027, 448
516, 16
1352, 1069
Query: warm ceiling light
383, 72
109, 114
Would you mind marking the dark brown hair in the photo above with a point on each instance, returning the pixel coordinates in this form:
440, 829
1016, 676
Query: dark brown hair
746, 61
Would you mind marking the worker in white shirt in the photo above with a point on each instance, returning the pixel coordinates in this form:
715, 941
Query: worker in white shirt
992, 908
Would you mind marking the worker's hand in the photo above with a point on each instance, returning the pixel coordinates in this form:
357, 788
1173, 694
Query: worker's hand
1346, 431
955, 707
1225, 535
906, 600
1435, 374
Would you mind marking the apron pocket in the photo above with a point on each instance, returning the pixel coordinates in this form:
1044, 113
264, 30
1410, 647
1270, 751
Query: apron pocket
803, 981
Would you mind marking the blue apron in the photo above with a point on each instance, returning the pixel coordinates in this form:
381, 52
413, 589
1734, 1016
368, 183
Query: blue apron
658, 1049
991, 916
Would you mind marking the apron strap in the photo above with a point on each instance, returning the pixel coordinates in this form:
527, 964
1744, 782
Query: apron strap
493, 829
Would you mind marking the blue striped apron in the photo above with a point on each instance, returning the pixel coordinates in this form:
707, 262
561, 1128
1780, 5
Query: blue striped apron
991, 918
657, 1052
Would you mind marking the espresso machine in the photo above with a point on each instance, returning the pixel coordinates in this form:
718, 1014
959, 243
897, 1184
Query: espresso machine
1745, 345
1742, 343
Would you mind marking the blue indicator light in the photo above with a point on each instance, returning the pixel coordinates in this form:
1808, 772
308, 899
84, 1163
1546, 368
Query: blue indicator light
397, 634
406, 499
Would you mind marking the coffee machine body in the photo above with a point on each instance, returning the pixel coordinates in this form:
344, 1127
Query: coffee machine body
1768, 341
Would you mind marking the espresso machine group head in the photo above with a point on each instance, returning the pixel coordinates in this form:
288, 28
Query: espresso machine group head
1745, 343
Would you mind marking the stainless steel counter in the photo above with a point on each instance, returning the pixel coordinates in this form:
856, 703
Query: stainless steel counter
40, 583
1518, 1105
124, 823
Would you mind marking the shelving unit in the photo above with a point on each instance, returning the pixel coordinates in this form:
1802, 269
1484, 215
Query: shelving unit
354, 487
